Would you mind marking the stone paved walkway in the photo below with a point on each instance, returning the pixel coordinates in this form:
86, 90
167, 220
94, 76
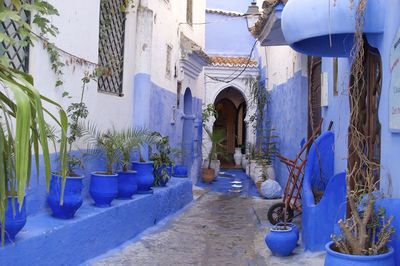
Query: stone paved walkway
216, 229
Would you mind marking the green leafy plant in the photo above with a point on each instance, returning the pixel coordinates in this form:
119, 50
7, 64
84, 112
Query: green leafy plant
103, 145
217, 137
24, 110
162, 159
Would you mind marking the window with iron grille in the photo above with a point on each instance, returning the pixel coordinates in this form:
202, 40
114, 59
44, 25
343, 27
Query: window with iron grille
168, 60
189, 12
111, 46
17, 54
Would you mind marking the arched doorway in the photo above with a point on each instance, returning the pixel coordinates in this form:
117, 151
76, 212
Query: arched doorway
187, 134
231, 107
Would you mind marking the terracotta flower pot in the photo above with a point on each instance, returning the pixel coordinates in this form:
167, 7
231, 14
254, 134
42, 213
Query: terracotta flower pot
208, 175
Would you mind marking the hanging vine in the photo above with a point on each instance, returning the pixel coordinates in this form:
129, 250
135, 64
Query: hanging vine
365, 232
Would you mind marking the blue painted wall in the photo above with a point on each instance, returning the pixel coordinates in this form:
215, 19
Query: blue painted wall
288, 112
227, 35
338, 109
156, 104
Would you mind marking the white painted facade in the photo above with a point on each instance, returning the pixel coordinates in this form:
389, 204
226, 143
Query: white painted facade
146, 40
281, 63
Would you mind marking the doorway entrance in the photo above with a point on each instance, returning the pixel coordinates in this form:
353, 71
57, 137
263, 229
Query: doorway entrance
231, 107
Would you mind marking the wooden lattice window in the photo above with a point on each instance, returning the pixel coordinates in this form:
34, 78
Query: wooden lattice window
111, 46
189, 12
17, 54
168, 61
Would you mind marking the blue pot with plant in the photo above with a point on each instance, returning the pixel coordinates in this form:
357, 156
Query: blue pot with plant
334, 258
127, 184
293, 226
129, 140
103, 184
72, 196
14, 223
281, 240
145, 177
180, 171
162, 160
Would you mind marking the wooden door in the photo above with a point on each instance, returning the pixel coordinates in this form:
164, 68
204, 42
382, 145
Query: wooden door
314, 93
365, 121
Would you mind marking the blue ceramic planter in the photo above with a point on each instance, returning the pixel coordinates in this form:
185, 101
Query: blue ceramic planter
103, 189
72, 196
14, 224
281, 241
127, 184
293, 226
180, 171
334, 258
163, 183
145, 177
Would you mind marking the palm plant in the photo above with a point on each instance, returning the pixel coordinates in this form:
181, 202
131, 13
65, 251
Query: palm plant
103, 145
216, 138
23, 132
132, 139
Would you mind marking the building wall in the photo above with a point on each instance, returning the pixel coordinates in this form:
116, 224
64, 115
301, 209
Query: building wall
279, 71
227, 35
145, 85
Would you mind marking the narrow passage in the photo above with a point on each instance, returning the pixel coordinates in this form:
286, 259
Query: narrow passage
216, 229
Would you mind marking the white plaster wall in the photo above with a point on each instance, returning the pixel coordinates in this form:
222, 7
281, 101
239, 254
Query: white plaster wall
282, 63
168, 22
78, 24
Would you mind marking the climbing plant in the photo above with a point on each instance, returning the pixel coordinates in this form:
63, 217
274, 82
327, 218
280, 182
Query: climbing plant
365, 231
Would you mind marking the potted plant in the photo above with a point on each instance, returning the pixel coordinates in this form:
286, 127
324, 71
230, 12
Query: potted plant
162, 161
145, 169
212, 163
104, 184
71, 188
129, 140
26, 112
282, 238
365, 233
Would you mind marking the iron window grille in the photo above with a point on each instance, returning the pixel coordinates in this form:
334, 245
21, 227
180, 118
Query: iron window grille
17, 54
111, 46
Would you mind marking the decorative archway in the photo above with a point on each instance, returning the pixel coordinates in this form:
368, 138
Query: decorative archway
187, 129
232, 108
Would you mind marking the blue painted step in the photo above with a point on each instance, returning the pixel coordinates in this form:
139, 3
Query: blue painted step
46, 240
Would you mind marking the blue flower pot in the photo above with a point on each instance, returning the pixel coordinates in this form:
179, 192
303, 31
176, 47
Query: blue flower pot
72, 196
334, 258
127, 185
293, 226
163, 183
281, 241
103, 189
180, 171
14, 224
145, 177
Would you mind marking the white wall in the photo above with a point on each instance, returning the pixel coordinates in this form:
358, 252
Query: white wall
78, 24
282, 63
